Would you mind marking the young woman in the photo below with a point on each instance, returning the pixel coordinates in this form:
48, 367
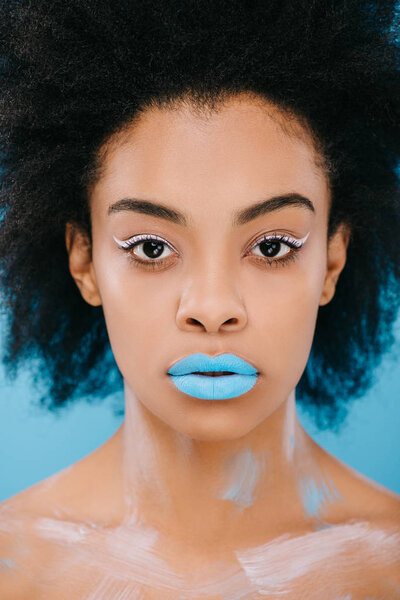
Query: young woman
210, 190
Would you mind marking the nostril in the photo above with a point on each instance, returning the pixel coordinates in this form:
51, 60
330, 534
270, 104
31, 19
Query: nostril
192, 321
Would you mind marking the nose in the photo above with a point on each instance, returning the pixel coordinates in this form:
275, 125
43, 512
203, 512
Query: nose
211, 303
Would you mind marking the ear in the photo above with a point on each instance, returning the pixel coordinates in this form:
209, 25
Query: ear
80, 263
336, 259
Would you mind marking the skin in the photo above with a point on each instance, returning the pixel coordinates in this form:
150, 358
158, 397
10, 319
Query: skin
190, 493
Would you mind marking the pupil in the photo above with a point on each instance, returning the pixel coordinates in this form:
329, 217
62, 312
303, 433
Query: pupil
269, 248
153, 249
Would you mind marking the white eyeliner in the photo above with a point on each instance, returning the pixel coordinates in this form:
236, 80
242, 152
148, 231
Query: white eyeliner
148, 237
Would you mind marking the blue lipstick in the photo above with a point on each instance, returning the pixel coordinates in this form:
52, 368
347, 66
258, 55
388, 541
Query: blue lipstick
188, 375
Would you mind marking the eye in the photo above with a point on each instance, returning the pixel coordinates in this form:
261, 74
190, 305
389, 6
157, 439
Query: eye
271, 248
277, 247
146, 248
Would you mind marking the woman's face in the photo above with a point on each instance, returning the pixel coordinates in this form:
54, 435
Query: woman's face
211, 286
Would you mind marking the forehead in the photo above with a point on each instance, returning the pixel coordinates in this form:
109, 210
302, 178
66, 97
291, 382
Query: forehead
234, 153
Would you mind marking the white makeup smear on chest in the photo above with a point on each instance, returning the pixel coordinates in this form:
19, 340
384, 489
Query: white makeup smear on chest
126, 558
112, 589
122, 563
129, 564
275, 566
55, 530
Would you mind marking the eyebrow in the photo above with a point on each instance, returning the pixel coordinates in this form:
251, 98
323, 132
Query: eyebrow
240, 217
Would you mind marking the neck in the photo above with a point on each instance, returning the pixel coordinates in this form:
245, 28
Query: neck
233, 491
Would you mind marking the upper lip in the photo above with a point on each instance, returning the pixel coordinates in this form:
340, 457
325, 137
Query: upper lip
203, 362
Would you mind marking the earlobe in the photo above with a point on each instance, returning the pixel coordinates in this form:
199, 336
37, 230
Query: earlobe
80, 263
336, 260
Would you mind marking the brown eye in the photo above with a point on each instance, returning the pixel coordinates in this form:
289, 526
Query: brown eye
277, 249
146, 247
151, 249
272, 248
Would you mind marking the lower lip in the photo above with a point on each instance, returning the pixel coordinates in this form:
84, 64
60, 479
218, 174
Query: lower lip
214, 388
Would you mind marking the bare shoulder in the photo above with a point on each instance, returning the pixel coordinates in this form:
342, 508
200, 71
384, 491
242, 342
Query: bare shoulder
15, 551
85, 490
367, 515
25, 555
69, 496
358, 497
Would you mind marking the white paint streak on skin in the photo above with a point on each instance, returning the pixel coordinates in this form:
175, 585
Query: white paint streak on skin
141, 445
109, 588
244, 470
316, 494
289, 434
125, 553
6, 564
278, 565
315, 489
123, 558
52, 529
121, 563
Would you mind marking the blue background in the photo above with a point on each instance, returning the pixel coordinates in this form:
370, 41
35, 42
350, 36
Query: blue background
35, 444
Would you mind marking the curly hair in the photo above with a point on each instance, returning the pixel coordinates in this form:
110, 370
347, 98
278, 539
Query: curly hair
74, 73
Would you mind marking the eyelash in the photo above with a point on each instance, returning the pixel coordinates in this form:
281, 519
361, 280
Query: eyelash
136, 240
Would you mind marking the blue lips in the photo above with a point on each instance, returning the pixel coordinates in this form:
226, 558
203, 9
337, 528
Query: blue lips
213, 388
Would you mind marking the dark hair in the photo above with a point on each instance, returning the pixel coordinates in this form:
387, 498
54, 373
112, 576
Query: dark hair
75, 72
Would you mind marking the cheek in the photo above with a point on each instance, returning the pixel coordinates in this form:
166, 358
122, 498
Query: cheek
138, 311
284, 310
